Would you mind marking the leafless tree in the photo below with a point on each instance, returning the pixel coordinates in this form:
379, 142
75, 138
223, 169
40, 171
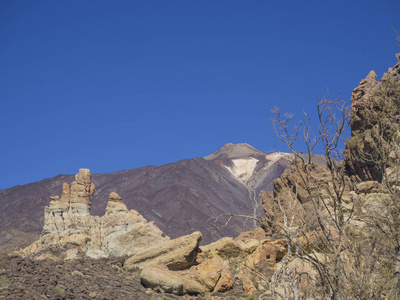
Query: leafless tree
397, 34
288, 274
350, 264
223, 220
323, 247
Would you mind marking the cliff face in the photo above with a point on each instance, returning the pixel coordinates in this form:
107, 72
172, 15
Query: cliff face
373, 104
68, 224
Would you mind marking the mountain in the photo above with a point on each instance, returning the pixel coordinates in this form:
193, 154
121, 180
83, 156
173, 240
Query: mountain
179, 197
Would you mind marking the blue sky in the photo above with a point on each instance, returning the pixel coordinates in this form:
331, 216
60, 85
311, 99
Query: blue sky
113, 85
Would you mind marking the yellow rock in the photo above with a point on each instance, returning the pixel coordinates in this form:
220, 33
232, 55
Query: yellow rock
225, 247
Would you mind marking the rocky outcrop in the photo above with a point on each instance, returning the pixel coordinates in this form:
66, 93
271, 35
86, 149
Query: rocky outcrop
375, 105
359, 97
68, 223
180, 267
291, 190
209, 275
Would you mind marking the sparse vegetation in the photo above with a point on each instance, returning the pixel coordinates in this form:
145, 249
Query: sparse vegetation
318, 238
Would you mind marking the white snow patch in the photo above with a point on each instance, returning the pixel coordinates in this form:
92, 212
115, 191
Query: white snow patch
243, 168
273, 157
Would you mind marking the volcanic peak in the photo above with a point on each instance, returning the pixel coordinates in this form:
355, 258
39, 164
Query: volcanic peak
234, 151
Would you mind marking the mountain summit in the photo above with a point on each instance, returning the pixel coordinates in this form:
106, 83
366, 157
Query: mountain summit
234, 151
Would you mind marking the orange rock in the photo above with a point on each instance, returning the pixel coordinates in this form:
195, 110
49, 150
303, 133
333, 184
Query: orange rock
224, 283
248, 286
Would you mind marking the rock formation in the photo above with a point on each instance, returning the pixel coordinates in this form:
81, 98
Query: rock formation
68, 223
179, 266
371, 101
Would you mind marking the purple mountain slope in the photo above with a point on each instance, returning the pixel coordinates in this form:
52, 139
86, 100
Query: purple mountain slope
179, 197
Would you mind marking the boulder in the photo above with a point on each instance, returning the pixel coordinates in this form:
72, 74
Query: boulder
267, 254
248, 246
213, 274
368, 187
210, 275
163, 280
224, 283
250, 240
175, 254
226, 247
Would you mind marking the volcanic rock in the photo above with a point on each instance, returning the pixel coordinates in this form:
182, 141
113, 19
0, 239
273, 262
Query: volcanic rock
68, 222
175, 254
226, 247
162, 280
83, 278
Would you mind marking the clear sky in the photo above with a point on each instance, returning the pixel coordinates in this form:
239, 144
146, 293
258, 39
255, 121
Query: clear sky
113, 85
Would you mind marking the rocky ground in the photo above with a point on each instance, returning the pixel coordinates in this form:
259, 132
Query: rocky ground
84, 278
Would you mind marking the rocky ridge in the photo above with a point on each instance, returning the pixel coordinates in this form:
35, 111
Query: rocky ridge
361, 153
